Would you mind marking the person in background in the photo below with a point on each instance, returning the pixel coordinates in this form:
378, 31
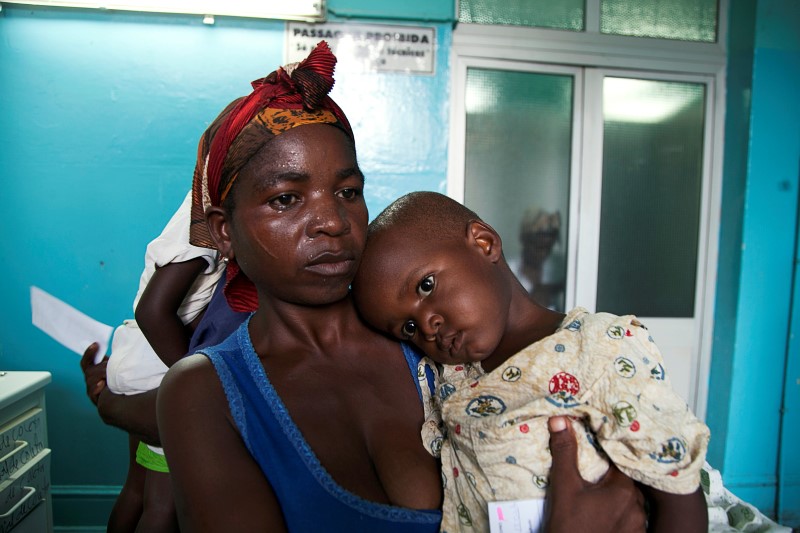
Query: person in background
298, 420
174, 290
541, 268
433, 274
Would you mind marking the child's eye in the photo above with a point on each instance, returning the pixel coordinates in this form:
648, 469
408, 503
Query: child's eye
409, 329
426, 286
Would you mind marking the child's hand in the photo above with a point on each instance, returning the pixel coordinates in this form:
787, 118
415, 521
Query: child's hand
93, 374
613, 504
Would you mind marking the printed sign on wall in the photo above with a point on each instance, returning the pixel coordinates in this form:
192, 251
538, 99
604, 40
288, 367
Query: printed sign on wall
367, 47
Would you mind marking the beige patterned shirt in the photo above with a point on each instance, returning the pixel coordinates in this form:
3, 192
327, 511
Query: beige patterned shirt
490, 430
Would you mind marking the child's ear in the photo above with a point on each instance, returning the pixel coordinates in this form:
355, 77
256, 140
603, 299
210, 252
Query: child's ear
219, 228
486, 238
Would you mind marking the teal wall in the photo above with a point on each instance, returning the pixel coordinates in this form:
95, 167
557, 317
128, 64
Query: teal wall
101, 114
411, 10
755, 340
788, 501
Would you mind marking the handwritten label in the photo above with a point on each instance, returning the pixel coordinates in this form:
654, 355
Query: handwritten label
516, 516
27, 489
20, 441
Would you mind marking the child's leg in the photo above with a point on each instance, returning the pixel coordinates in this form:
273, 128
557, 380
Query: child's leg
128, 508
159, 513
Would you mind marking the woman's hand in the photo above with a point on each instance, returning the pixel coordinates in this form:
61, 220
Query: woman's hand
613, 504
93, 374
135, 413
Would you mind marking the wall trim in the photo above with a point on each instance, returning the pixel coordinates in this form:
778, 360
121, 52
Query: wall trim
83, 508
85, 490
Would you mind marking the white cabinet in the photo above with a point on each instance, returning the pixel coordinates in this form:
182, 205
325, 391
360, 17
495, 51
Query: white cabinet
25, 504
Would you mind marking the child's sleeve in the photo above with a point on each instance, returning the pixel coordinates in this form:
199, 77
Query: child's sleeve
172, 245
432, 431
641, 423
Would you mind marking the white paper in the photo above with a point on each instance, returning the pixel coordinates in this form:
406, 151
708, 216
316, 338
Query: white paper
516, 516
366, 47
67, 325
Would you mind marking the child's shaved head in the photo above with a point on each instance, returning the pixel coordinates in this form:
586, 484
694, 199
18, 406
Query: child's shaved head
426, 215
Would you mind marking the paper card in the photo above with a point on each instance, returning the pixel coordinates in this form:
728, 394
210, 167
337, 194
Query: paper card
67, 325
516, 516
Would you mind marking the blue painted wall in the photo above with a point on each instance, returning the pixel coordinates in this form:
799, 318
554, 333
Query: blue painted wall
410, 10
101, 114
100, 117
788, 501
753, 347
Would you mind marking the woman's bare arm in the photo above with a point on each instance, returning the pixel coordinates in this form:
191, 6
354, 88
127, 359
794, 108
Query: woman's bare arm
218, 486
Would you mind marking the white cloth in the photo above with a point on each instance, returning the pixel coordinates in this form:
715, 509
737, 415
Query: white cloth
134, 367
172, 246
727, 513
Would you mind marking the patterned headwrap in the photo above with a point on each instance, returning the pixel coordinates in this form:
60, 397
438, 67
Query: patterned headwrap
289, 97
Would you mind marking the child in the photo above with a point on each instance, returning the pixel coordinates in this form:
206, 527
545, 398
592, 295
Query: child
174, 289
434, 274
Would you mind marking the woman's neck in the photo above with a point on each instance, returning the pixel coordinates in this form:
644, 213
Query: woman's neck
283, 325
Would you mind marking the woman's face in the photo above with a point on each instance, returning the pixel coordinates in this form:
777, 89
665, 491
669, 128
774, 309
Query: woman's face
299, 219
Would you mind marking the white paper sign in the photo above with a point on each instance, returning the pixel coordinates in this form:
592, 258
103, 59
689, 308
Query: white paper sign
67, 325
517, 516
366, 47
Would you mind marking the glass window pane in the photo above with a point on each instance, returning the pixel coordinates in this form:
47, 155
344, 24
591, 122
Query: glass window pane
518, 148
564, 14
686, 20
650, 208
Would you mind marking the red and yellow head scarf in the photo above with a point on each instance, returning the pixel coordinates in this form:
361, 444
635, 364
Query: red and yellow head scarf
289, 97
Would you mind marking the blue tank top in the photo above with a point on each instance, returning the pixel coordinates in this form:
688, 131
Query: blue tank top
309, 497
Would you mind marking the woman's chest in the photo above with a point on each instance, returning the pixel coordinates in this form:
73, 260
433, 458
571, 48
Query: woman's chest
363, 425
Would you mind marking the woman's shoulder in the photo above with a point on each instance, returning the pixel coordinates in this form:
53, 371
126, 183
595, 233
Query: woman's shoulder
191, 364
192, 379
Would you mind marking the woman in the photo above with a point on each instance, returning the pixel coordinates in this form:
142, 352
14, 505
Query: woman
306, 419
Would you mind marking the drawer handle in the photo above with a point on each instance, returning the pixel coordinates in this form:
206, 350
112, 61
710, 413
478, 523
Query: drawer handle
31, 491
19, 445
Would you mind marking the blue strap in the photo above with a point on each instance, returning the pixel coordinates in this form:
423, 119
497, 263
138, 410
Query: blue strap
413, 357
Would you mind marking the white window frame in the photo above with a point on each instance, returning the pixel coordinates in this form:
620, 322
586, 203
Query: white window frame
484, 46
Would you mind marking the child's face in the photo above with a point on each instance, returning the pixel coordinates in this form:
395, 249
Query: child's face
445, 298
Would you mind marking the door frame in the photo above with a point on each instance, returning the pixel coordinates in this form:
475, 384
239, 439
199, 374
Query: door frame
456, 168
544, 50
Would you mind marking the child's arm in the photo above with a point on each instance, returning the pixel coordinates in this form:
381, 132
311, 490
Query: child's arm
684, 513
157, 310
647, 429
